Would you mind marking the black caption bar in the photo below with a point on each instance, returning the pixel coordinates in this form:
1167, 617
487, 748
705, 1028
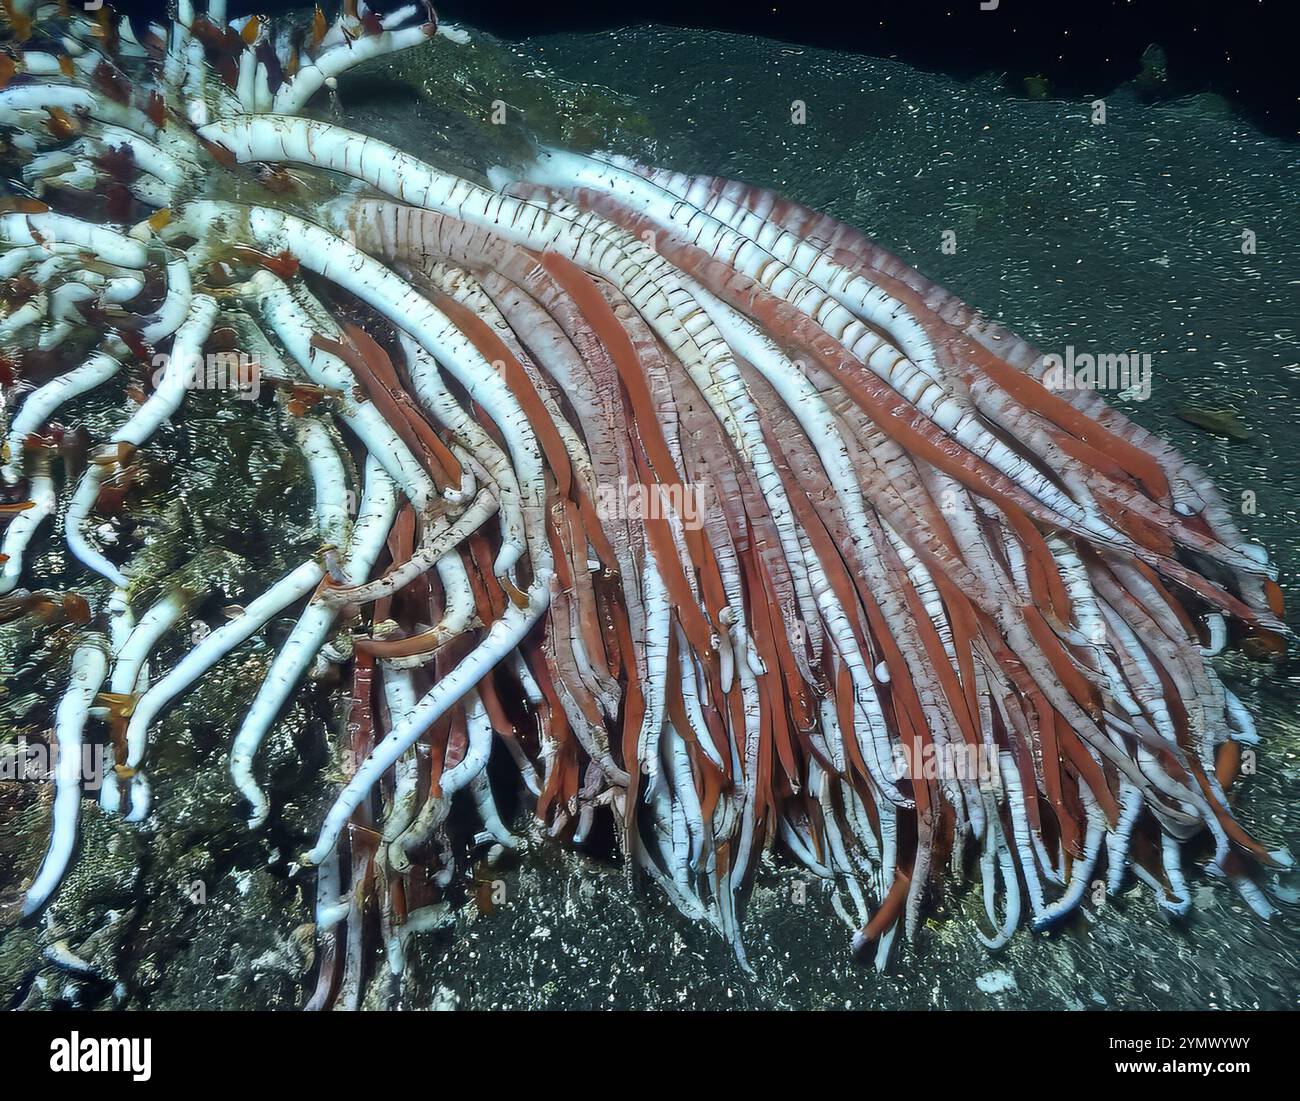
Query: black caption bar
337, 1051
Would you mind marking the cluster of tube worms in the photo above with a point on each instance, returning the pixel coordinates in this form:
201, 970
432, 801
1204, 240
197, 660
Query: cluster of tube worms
704, 511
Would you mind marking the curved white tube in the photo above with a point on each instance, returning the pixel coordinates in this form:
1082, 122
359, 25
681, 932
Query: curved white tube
502, 638
89, 667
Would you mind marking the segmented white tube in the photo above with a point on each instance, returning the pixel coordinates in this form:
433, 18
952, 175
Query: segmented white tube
39, 229
18, 534
41, 404
89, 667
216, 645
374, 519
165, 401
501, 639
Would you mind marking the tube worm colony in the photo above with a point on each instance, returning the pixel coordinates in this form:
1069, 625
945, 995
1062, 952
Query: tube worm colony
697, 506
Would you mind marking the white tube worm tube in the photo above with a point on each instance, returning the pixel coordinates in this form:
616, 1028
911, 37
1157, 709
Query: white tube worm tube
333, 258
18, 534
215, 646
291, 323
399, 695
129, 670
479, 731
1218, 635
176, 305
440, 541
89, 667
107, 244
130, 673
1117, 842
41, 404
658, 625
184, 358
1081, 873
374, 519
75, 521
485, 803
295, 93
501, 639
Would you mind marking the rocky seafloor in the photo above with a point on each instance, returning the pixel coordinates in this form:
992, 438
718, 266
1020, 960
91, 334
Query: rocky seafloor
1121, 236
